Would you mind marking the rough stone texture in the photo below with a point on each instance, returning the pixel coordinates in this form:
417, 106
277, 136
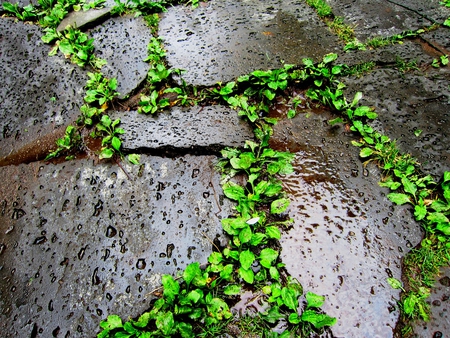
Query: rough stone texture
407, 102
30, 79
222, 40
205, 129
123, 42
440, 309
79, 242
385, 18
82, 18
347, 238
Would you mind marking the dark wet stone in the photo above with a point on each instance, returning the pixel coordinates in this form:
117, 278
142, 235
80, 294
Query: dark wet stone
204, 129
345, 235
222, 40
82, 18
439, 39
122, 42
30, 79
86, 269
385, 18
409, 102
445, 281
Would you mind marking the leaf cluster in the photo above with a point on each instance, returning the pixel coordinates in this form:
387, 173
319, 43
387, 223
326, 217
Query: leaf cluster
71, 139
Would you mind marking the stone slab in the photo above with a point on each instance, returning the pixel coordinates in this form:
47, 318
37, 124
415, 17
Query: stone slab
196, 129
347, 237
221, 40
82, 18
31, 79
407, 102
122, 42
387, 18
79, 241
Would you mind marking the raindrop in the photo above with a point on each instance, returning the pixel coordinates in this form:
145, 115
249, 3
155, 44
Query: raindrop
65, 205
54, 238
128, 289
2, 248
64, 262
55, 332
123, 249
195, 173
111, 232
50, 306
158, 196
78, 201
95, 279
107, 253
98, 208
18, 213
99, 312
11, 228
141, 264
40, 240
81, 253
108, 296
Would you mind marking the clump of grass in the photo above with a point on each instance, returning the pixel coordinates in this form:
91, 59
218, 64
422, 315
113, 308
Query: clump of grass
345, 32
322, 8
359, 69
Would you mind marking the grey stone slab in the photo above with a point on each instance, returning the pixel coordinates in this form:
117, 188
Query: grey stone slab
440, 38
122, 42
82, 18
440, 309
347, 237
407, 102
79, 242
31, 79
385, 18
197, 128
221, 40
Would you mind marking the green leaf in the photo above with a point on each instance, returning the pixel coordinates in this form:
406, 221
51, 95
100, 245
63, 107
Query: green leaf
232, 290
106, 153
274, 273
394, 283
233, 191
294, 318
273, 315
246, 258
408, 186
134, 158
245, 235
444, 228
279, 206
437, 217
420, 211
409, 303
116, 143
247, 275
291, 113
313, 300
267, 257
215, 258
398, 199
317, 319
257, 238
112, 322
289, 298
185, 330
273, 232
365, 152
192, 270
329, 58
227, 272
228, 89
165, 322
171, 287
269, 94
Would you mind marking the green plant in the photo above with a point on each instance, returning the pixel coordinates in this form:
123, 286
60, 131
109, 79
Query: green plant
405, 66
344, 32
99, 89
442, 61
24, 14
71, 140
322, 8
151, 104
108, 130
359, 69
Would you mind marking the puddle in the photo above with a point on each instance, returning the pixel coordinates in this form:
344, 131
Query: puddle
347, 238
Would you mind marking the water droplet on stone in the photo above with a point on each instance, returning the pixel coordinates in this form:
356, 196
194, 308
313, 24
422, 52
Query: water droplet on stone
141, 264
111, 232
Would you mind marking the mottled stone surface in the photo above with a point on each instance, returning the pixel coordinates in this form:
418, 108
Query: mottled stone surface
79, 242
196, 129
221, 40
82, 18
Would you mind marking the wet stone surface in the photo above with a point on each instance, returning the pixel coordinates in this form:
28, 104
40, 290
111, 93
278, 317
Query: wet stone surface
222, 40
409, 102
29, 84
200, 129
387, 18
347, 237
123, 42
79, 242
